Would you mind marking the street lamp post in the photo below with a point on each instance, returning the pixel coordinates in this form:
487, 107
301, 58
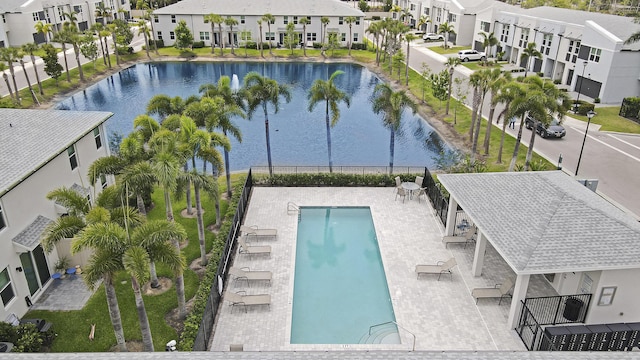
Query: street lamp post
577, 104
590, 115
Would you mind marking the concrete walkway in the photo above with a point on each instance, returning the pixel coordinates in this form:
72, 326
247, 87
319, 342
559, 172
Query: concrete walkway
64, 295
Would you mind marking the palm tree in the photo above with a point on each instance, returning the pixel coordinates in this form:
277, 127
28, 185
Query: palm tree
375, 29
30, 48
488, 41
261, 47
269, 19
201, 182
391, 104
480, 81
507, 94
62, 37
327, 92
450, 64
45, 29
528, 53
101, 31
304, 22
635, 37
74, 38
26, 76
218, 19
211, 19
3, 67
408, 38
102, 11
10, 55
497, 80
423, 21
446, 29
72, 18
231, 22
143, 29
116, 247
324, 20
113, 30
350, 20
148, 17
163, 106
263, 91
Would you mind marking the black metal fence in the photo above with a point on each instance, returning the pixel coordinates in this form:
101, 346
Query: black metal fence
437, 197
530, 331
205, 331
364, 170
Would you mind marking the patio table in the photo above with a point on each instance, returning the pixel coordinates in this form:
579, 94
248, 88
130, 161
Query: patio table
410, 187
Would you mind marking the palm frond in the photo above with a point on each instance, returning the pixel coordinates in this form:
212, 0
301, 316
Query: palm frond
65, 227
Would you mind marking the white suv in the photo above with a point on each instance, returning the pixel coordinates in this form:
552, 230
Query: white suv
432, 37
471, 55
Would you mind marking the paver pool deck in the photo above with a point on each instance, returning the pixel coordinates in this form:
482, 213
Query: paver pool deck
442, 314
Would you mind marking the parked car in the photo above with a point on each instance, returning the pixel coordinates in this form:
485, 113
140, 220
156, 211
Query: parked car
432, 37
554, 129
471, 55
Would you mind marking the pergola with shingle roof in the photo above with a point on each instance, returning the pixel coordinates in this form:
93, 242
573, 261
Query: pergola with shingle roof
542, 222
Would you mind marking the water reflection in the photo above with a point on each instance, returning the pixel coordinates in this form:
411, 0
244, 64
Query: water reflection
297, 136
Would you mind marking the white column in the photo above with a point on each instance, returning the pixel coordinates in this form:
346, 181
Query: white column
478, 257
451, 217
519, 294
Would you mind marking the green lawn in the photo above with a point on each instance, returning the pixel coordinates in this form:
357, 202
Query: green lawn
451, 50
609, 120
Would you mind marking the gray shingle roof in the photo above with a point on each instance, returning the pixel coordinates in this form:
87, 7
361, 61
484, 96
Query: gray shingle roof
31, 138
29, 238
260, 7
546, 222
11, 5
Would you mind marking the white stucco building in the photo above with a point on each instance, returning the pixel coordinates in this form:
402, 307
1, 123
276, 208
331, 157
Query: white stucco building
39, 152
19, 17
248, 12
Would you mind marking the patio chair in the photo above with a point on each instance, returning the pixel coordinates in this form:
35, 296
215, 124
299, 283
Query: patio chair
462, 239
419, 180
401, 192
498, 291
422, 191
241, 299
239, 274
398, 181
441, 267
254, 231
252, 250
41, 324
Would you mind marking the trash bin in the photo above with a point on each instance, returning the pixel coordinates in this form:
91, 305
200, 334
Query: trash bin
572, 309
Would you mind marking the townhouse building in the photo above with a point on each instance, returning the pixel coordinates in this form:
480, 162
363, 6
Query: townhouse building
41, 150
248, 13
19, 17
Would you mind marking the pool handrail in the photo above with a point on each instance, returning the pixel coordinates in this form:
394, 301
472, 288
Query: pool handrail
413, 348
292, 208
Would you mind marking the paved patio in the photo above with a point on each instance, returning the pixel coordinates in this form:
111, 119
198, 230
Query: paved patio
63, 295
442, 314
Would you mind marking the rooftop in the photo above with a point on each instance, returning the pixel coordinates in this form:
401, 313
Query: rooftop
31, 138
261, 7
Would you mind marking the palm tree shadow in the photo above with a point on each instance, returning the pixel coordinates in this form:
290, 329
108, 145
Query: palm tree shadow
326, 253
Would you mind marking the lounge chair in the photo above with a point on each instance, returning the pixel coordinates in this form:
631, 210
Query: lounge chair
252, 250
461, 239
401, 192
238, 299
498, 291
41, 324
254, 231
441, 267
239, 274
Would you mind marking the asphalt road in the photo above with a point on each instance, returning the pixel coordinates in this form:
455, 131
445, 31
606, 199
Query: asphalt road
612, 159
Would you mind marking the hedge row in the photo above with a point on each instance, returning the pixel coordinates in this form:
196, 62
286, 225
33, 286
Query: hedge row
330, 179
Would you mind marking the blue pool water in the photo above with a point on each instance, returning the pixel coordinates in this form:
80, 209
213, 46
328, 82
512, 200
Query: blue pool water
298, 137
340, 287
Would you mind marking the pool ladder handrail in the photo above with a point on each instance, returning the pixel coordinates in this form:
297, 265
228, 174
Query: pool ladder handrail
398, 325
292, 208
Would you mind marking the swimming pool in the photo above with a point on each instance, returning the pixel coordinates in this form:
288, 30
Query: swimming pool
340, 287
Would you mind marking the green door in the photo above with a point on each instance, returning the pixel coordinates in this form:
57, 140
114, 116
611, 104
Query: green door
29, 272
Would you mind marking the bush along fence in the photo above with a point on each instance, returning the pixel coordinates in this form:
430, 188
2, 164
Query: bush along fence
200, 324
630, 108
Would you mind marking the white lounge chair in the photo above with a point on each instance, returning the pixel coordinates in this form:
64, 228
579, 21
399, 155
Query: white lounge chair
461, 239
441, 267
498, 291
241, 299
255, 232
252, 250
239, 274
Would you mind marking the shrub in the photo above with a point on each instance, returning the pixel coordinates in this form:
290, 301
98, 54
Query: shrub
317, 45
125, 51
198, 44
331, 179
630, 108
159, 43
359, 46
375, 17
596, 100
557, 81
25, 337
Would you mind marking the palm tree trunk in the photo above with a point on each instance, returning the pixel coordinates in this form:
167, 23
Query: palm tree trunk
504, 132
15, 85
142, 209
115, 49
474, 148
182, 310
228, 173
446, 112
6, 80
406, 67
76, 51
26, 76
146, 43
153, 274
145, 329
106, 48
232, 42
474, 112
392, 142
188, 192
516, 148
214, 175
266, 130
114, 312
532, 140
203, 248
104, 57
487, 135
35, 70
328, 125
66, 64
220, 39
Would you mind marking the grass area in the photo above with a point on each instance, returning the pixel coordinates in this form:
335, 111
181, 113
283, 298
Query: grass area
73, 326
451, 50
479, 65
609, 120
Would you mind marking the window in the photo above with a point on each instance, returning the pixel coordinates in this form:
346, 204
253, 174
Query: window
343, 37
426, 11
572, 52
97, 137
286, 20
546, 43
155, 18
295, 20
73, 158
355, 37
594, 55
173, 19
4, 19
413, 7
242, 21
309, 20
35, 16
6, 290
78, 9
3, 224
438, 14
340, 20
452, 18
204, 35
172, 35
60, 14
311, 37
270, 36
357, 21
484, 26
524, 38
505, 33
159, 35
103, 181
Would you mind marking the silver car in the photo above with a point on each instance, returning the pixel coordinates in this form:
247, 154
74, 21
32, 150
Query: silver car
471, 55
432, 37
